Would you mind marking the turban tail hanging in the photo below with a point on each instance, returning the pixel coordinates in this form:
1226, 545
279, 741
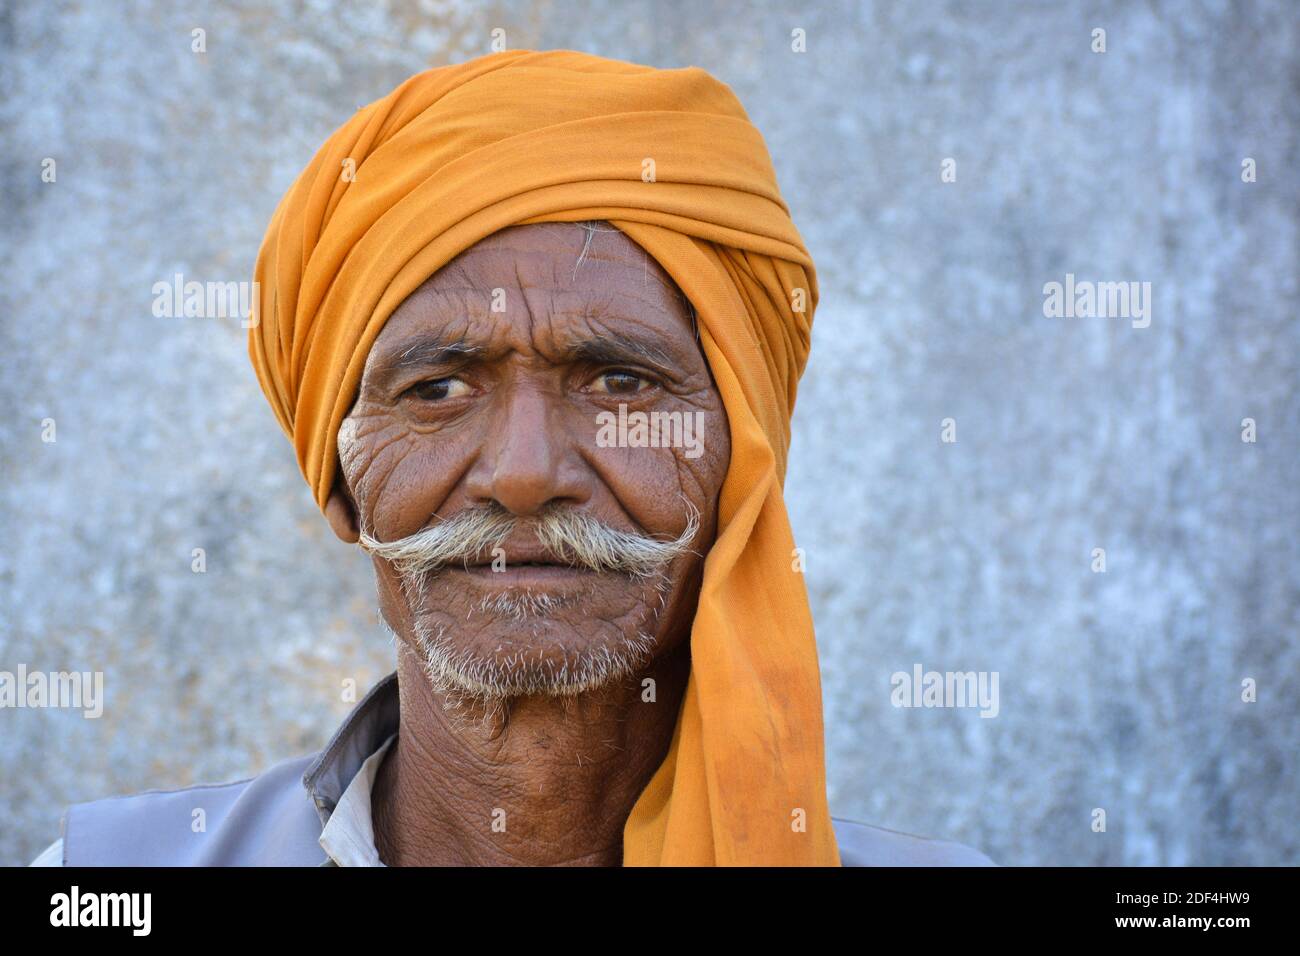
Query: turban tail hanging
457, 153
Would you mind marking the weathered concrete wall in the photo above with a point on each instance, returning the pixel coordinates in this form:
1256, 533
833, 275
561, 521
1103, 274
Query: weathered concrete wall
1119, 691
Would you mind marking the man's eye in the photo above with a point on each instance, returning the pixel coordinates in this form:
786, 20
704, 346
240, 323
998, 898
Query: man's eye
435, 390
620, 383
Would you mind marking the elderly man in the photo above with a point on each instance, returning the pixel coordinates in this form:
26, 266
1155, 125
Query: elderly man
533, 324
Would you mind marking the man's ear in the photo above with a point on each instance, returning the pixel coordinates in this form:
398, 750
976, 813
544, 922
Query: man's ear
342, 513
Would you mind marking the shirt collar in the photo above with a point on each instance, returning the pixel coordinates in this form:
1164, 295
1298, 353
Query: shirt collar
365, 731
349, 836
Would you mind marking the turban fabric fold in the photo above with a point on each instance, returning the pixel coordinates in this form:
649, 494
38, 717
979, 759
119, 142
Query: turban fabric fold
459, 152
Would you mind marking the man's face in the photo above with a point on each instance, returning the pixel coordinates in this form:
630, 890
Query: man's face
529, 544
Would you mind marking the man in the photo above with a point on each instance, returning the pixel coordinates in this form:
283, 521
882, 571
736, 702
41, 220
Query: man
534, 325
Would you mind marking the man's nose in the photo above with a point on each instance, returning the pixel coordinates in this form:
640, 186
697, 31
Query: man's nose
528, 460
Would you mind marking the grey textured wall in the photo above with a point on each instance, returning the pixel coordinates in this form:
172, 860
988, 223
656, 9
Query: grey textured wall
1118, 690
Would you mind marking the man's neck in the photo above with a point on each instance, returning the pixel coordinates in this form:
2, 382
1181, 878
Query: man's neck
543, 781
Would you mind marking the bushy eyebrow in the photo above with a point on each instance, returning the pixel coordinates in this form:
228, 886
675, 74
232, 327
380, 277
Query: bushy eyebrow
431, 350
427, 351
617, 348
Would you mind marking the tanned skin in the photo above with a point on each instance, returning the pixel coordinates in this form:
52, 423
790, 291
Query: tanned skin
502, 407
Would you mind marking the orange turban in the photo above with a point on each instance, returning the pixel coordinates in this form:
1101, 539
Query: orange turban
669, 157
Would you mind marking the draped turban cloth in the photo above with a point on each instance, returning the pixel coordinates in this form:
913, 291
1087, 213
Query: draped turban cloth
671, 159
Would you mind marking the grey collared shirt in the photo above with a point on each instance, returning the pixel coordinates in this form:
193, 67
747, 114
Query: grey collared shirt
340, 778
348, 837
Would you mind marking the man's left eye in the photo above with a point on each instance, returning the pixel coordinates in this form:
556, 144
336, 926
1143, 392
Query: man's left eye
620, 383
435, 390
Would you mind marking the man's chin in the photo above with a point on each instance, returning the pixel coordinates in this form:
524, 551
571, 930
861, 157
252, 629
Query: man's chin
538, 631
526, 649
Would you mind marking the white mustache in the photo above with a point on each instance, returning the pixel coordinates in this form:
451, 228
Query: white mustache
573, 537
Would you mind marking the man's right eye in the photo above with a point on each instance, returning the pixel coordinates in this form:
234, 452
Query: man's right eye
438, 389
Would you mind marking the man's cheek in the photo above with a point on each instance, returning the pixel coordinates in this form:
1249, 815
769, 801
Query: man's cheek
411, 477
706, 444
368, 443
647, 484
701, 476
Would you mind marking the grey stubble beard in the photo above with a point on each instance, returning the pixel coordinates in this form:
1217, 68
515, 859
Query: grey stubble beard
470, 682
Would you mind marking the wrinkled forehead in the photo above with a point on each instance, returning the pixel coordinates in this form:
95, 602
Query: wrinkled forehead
545, 286
580, 254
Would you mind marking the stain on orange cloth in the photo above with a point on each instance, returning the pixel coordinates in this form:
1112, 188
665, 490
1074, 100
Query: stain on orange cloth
457, 153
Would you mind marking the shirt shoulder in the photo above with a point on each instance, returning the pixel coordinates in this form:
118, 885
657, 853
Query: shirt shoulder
863, 845
268, 819
52, 855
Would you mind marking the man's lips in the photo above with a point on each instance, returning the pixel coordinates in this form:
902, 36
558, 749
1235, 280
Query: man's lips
524, 574
523, 564
532, 576
519, 556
